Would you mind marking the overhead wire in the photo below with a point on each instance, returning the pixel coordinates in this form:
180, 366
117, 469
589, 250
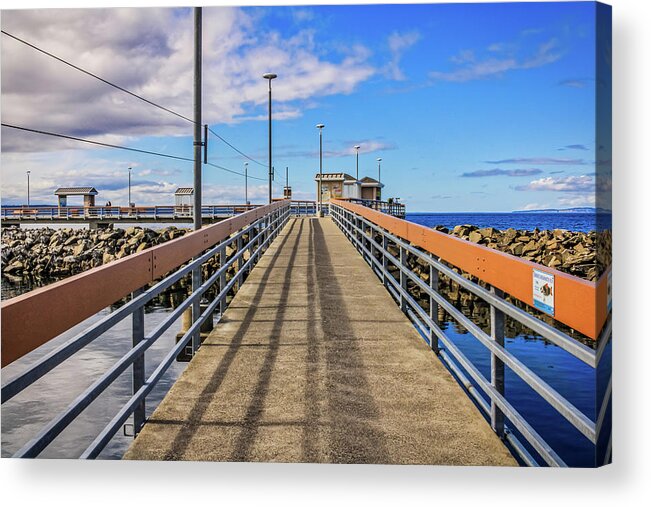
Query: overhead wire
106, 81
139, 97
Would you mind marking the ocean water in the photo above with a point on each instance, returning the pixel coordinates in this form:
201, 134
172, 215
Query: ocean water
582, 222
577, 382
23, 416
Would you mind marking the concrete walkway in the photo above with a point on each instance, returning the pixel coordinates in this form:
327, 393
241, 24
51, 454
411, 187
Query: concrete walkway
314, 362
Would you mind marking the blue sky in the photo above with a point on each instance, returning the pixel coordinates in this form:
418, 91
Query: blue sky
472, 107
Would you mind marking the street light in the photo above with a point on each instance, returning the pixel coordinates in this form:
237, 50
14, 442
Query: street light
379, 179
357, 147
28, 188
320, 127
270, 76
130, 186
246, 183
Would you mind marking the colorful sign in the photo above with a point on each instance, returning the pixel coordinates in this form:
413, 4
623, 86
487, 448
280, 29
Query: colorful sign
543, 291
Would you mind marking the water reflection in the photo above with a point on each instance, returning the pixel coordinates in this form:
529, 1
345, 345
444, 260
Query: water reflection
26, 414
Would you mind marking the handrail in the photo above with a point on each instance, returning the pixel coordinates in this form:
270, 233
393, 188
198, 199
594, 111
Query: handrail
86, 213
580, 304
253, 234
363, 231
34, 318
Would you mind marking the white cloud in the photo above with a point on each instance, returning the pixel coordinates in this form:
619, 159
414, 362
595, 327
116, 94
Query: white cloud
398, 44
583, 183
150, 52
577, 200
470, 68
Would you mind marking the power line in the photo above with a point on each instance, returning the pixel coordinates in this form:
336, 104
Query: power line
135, 95
236, 149
107, 145
97, 77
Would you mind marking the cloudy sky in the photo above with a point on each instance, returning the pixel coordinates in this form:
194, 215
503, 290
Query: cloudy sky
471, 107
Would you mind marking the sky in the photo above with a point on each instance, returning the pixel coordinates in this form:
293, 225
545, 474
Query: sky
472, 107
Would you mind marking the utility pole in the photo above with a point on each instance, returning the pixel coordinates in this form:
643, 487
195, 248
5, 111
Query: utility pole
196, 208
28, 188
129, 203
269, 76
197, 119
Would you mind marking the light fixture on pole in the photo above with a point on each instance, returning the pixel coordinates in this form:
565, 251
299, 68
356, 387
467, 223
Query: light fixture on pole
379, 179
320, 127
357, 147
28, 188
129, 186
270, 76
246, 183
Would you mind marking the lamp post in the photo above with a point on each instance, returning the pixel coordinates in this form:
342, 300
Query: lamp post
357, 147
320, 127
379, 178
246, 183
270, 76
28, 188
129, 204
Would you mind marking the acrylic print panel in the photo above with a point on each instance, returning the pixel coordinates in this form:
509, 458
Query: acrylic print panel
282, 235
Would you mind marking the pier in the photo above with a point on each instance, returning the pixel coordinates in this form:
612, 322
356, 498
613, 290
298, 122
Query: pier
313, 362
327, 345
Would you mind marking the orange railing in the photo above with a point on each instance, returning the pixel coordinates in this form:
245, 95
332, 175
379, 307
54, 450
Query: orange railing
579, 304
32, 319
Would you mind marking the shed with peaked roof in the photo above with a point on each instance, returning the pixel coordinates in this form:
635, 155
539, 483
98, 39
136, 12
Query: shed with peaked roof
184, 196
89, 194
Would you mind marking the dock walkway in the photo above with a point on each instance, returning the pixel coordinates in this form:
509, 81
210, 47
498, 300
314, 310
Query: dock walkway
314, 362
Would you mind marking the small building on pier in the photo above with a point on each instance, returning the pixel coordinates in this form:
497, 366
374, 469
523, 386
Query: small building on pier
338, 186
371, 189
184, 196
88, 193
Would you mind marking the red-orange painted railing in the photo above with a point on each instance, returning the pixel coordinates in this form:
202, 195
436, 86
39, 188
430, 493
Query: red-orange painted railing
32, 319
579, 304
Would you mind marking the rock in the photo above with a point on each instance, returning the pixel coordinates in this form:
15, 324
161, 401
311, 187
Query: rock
529, 247
475, 236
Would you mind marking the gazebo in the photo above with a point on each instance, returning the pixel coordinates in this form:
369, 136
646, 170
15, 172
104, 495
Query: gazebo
89, 194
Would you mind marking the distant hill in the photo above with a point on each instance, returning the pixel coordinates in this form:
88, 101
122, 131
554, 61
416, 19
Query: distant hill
582, 209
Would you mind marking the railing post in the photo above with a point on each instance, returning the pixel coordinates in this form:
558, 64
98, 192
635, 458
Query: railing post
497, 366
385, 261
403, 278
434, 308
196, 308
138, 375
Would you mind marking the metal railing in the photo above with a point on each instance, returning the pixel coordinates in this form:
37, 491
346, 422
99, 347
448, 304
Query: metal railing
111, 213
396, 209
303, 208
488, 393
251, 232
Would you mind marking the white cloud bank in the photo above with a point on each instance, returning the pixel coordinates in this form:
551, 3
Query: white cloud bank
150, 52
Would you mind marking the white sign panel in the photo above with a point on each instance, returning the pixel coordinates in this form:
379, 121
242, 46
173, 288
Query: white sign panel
543, 291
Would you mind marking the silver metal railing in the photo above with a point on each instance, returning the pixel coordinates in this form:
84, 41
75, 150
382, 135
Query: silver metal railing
488, 393
259, 234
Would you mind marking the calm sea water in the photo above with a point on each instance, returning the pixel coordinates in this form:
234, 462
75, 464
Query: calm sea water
23, 416
583, 222
581, 385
